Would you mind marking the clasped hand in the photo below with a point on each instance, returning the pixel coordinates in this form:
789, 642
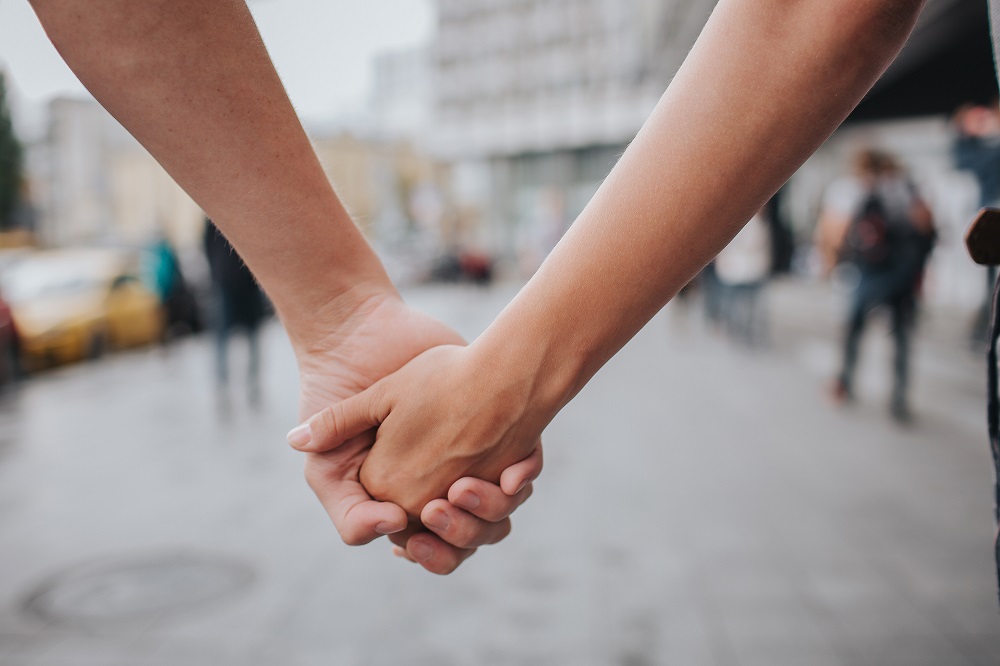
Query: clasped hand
410, 437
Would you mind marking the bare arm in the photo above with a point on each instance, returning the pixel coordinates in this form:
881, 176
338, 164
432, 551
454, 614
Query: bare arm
192, 81
766, 83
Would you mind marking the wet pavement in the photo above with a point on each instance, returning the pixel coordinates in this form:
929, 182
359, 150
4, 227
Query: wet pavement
701, 505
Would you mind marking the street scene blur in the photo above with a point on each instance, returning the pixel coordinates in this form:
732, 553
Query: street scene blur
788, 465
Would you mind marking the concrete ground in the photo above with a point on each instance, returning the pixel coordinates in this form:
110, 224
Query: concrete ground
701, 505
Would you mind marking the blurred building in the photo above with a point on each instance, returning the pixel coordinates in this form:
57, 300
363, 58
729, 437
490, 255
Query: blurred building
67, 172
93, 183
392, 190
402, 96
534, 101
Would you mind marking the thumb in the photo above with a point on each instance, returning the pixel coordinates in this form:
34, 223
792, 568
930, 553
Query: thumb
340, 422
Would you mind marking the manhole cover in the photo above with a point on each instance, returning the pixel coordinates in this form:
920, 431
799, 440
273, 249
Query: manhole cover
136, 588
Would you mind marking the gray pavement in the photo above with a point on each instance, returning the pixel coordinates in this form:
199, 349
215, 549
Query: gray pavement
701, 505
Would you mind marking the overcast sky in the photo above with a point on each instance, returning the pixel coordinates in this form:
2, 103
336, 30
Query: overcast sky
322, 49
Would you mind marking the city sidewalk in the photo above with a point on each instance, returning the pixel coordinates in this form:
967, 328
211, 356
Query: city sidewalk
702, 505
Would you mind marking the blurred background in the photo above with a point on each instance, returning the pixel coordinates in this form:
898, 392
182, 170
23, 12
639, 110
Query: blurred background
727, 491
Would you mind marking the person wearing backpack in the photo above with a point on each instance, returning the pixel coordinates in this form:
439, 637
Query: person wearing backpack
878, 223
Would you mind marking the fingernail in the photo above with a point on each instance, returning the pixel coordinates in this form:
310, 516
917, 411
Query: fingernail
300, 435
468, 500
438, 520
421, 551
387, 528
522, 486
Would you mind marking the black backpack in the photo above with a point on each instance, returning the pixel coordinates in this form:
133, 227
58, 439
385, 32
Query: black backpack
867, 241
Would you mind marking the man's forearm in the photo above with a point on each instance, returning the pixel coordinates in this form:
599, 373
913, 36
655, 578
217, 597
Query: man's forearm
192, 81
766, 83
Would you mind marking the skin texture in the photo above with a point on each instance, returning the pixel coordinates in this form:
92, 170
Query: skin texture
192, 81
766, 83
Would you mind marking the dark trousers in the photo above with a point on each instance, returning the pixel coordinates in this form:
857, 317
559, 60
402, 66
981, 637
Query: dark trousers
888, 290
232, 312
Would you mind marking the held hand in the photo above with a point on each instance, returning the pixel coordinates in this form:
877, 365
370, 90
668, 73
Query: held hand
452, 519
374, 339
443, 416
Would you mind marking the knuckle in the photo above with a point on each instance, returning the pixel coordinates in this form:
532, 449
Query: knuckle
536, 462
464, 538
444, 565
509, 506
331, 421
495, 514
412, 508
495, 511
399, 539
353, 537
378, 392
352, 527
503, 531
459, 487
389, 487
435, 507
375, 481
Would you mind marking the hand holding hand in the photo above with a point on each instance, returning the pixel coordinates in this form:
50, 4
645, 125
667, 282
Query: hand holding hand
446, 414
371, 340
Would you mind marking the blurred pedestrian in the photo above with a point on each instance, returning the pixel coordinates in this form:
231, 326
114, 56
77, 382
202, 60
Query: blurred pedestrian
876, 221
977, 150
180, 311
712, 295
742, 269
238, 302
10, 350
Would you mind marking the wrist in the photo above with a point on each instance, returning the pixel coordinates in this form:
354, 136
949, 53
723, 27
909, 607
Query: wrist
543, 373
325, 276
333, 316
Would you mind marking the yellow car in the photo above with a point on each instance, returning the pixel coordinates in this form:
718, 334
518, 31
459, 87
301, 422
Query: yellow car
75, 304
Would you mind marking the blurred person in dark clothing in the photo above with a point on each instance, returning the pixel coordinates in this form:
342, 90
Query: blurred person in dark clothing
712, 288
180, 311
877, 221
238, 303
10, 353
977, 150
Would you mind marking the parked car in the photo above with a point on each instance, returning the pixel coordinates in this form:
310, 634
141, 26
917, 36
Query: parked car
75, 304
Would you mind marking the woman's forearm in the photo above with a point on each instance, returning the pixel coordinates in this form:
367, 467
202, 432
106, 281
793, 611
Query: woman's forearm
192, 81
766, 83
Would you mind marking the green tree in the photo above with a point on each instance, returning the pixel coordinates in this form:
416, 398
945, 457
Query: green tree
11, 160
